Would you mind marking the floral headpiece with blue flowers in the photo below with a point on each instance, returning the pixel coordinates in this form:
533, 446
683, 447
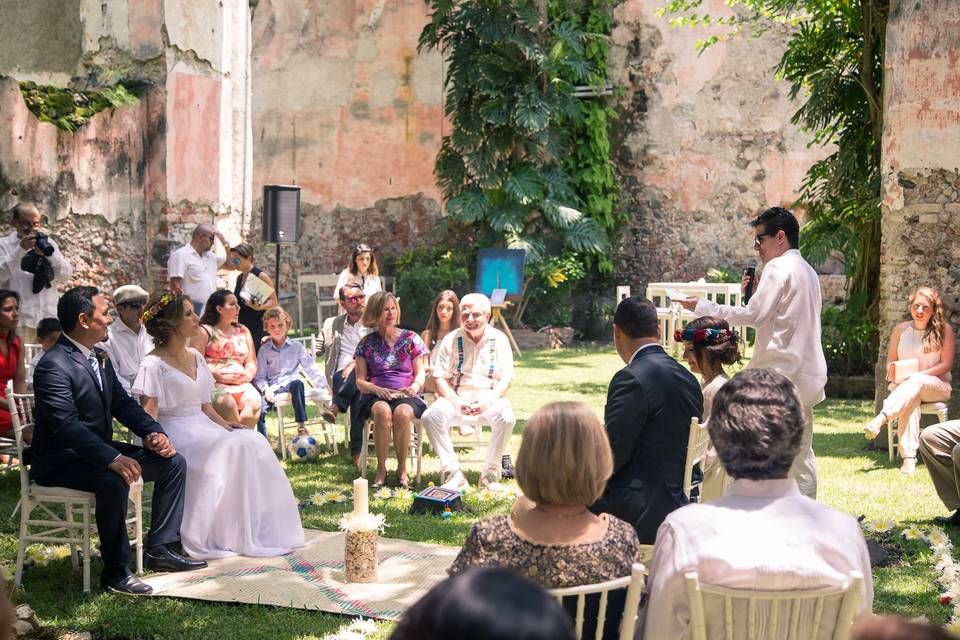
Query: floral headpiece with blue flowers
704, 336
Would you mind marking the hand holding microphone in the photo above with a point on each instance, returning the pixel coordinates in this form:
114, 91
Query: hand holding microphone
749, 282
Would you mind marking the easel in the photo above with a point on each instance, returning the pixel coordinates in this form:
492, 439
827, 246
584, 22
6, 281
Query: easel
496, 316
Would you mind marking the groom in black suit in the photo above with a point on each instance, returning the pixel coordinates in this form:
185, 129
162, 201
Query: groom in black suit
77, 396
649, 405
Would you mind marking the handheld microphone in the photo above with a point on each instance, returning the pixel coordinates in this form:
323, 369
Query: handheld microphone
750, 271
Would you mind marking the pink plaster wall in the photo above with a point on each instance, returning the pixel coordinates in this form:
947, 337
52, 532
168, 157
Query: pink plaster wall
922, 85
343, 104
193, 132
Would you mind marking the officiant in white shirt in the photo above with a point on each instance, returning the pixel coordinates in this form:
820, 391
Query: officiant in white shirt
127, 340
785, 310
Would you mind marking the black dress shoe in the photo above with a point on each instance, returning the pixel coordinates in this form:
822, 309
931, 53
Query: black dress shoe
163, 559
126, 583
953, 520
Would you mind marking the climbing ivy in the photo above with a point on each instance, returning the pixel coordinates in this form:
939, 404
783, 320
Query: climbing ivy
589, 163
509, 91
69, 109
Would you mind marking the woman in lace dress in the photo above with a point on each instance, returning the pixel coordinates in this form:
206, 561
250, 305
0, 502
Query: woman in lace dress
551, 537
238, 499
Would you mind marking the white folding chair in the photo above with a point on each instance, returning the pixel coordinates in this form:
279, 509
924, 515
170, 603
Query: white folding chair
415, 453
773, 615
938, 409
322, 286
698, 443
634, 585
39, 523
30, 350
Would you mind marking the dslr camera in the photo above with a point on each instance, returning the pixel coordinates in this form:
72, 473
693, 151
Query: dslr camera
43, 244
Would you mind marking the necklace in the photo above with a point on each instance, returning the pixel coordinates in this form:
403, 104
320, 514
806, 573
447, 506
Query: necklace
565, 516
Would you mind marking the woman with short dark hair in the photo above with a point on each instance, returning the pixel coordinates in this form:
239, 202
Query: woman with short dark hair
485, 604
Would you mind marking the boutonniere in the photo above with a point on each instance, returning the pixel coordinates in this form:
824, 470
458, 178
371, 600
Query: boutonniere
104, 359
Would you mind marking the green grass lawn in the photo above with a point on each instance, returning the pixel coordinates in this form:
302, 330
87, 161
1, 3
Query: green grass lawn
853, 479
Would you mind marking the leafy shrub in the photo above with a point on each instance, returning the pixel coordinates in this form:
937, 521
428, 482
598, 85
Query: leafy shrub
849, 338
423, 273
549, 294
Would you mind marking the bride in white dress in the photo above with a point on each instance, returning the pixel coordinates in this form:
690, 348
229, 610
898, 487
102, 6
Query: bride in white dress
238, 499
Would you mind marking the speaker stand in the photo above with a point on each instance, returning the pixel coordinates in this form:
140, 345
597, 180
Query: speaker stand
276, 285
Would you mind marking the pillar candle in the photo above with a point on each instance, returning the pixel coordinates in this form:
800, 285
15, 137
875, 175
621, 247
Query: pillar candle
360, 497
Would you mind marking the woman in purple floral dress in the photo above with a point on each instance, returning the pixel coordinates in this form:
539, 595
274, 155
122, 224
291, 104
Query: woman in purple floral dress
390, 373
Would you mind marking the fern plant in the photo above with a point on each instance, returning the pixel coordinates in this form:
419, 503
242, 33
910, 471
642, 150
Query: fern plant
510, 79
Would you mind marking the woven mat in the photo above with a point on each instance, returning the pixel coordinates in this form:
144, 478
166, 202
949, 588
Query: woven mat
312, 578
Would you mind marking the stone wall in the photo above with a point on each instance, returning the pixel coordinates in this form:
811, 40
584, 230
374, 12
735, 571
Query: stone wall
705, 143
131, 184
345, 107
921, 165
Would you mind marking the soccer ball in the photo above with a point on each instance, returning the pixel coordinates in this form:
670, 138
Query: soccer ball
304, 448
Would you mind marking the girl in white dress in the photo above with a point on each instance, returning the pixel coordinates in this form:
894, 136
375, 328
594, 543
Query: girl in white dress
363, 270
238, 499
928, 339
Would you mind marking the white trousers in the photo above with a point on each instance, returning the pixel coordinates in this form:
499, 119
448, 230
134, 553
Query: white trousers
441, 415
804, 468
904, 402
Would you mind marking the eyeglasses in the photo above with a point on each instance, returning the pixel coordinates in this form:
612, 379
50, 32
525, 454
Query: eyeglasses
136, 304
26, 224
355, 299
235, 261
469, 315
758, 239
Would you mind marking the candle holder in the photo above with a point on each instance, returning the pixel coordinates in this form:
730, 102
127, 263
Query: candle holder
360, 550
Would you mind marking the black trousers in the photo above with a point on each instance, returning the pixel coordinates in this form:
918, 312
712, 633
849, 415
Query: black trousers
169, 477
346, 396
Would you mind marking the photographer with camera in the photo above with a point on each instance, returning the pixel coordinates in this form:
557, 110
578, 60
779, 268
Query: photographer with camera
29, 264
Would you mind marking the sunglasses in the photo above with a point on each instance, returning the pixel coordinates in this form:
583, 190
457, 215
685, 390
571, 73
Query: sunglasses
758, 239
355, 299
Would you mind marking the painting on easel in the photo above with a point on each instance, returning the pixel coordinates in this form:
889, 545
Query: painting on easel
500, 269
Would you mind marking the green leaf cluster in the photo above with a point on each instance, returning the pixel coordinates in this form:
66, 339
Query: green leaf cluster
69, 109
423, 273
504, 168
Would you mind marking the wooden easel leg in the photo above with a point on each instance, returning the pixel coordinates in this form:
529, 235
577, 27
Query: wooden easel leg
498, 318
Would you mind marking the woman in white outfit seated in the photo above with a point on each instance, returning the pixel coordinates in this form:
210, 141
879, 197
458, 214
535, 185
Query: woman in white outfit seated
925, 345
238, 499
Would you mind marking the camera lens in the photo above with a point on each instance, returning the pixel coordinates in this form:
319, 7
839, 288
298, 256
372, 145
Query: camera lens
44, 245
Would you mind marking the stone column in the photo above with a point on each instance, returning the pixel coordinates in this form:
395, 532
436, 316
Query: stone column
921, 166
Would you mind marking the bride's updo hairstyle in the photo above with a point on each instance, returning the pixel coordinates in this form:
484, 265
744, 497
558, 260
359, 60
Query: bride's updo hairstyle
163, 315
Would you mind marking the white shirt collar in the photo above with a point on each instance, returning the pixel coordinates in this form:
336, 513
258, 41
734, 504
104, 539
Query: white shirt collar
642, 347
779, 487
85, 351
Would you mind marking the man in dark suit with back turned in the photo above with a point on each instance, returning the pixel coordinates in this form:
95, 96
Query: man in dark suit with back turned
77, 397
649, 405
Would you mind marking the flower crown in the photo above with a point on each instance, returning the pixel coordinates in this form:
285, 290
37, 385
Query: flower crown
158, 306
704, 336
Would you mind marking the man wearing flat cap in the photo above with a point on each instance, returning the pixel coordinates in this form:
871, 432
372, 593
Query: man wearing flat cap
127, 340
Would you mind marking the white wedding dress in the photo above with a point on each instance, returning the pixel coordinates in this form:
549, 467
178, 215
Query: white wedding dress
238, 500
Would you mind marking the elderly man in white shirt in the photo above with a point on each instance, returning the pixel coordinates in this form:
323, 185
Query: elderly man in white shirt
762, 535
473, 372
785, 310
34, 307
192, 268
128, 341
